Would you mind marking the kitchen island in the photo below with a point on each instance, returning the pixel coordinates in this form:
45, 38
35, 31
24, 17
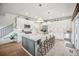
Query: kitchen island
30, 42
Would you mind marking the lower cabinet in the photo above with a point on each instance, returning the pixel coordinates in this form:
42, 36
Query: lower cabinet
29, 45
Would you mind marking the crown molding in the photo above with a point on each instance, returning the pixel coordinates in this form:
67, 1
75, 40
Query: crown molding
59, 19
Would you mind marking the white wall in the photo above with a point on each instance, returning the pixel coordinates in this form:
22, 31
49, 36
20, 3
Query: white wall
0, 8
7, 19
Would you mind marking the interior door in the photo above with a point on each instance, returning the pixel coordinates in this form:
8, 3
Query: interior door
77, 34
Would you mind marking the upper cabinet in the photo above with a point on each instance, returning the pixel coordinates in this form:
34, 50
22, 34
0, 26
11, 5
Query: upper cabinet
75, 11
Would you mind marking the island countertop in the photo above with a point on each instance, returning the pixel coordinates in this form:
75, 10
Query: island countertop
37, 36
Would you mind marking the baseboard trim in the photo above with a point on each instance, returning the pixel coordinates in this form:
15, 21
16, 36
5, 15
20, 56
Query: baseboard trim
26, 50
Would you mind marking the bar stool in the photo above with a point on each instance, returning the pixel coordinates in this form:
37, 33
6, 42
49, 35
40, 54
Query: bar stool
53, 40
47, 44
41, 48
50, 40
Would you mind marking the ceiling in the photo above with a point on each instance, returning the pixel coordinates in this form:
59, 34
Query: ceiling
39, 10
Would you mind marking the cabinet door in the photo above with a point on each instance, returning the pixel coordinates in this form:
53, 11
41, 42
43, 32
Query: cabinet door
29, 45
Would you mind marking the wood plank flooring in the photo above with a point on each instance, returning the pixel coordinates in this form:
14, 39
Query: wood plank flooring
12, 49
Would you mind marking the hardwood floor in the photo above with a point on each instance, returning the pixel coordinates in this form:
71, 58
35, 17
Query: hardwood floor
12, 49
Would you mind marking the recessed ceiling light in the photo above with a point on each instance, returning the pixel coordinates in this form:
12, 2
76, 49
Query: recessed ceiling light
48, 12
40, 5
